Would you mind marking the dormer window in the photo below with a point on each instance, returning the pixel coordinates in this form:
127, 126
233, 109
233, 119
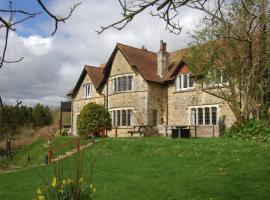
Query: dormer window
88, 89
216, 78
184, 82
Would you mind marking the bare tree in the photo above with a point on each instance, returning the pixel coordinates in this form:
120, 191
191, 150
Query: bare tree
11, 17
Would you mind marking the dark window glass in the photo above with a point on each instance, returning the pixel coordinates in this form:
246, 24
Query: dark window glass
129, 118
118, 118
118, 84
190, 81
185, 81
214, 115
130, 83
206, 115
200, 115
124, 117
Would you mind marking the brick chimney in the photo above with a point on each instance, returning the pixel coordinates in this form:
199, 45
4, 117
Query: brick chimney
162, 57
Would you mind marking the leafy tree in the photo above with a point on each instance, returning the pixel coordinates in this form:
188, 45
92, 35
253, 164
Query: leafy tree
93, 117
41, 115
234, 48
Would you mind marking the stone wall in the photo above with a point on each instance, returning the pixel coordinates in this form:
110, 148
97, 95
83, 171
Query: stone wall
80, 101
135, 99
179, 103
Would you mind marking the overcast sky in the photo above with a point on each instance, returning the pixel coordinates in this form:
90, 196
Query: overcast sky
52, 65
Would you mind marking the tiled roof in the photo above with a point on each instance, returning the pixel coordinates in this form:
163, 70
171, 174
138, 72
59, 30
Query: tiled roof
145, 61
95, 74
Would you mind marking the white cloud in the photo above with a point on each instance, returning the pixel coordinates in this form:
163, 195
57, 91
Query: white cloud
37, 44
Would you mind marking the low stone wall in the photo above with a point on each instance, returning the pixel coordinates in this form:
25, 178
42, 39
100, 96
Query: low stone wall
205, 131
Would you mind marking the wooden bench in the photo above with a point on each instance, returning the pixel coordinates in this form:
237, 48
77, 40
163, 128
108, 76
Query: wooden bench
142, 130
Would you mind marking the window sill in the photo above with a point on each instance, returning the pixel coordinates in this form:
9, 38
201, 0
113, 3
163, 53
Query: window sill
120, 92
184, 90
215, 86
123, 127
87, 98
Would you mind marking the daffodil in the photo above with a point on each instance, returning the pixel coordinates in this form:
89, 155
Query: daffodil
64, 182
41, 197
39, 191
54, 182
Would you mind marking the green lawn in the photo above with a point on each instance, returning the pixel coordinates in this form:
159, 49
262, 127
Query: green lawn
159, 168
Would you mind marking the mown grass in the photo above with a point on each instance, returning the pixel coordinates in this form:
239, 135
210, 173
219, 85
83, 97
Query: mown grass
158, 168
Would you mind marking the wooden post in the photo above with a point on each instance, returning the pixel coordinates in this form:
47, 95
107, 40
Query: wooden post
116, 131
78, 144
213, 130
61, 119
50, 155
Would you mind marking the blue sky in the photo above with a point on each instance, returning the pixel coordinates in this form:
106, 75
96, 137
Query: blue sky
31, 24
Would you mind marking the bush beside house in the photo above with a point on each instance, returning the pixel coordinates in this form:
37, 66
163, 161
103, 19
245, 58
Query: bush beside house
92, 118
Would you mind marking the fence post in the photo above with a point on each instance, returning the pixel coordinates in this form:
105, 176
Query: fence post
50, 155
213, 130
78, 144
116, 131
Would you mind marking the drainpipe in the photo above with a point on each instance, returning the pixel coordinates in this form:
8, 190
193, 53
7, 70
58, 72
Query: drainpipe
167, 106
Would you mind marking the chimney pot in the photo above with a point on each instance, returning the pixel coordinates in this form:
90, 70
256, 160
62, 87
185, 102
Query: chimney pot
163, 46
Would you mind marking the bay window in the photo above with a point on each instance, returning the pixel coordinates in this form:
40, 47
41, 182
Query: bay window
122, 83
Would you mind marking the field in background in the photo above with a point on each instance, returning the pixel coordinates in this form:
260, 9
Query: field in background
160, 168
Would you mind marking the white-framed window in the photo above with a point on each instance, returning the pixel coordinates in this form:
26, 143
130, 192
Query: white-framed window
217, 77
121, 83
184, 82
121, 117
204, 115
88, 90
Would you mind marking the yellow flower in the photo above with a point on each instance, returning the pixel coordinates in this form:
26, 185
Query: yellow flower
92, 188
61, 191
40, 197
64, 182
81, 180
54, 182
39, 191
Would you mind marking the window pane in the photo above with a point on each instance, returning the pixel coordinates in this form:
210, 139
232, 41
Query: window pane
124, 117
214, 115
118, 118
118, 84
200, 116
224, 77
124, 80
129, 117
130, 82
206, 115
114, 118
190, 81
193, 116
185, 81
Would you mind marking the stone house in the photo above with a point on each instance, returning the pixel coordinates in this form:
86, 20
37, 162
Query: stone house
140, 87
